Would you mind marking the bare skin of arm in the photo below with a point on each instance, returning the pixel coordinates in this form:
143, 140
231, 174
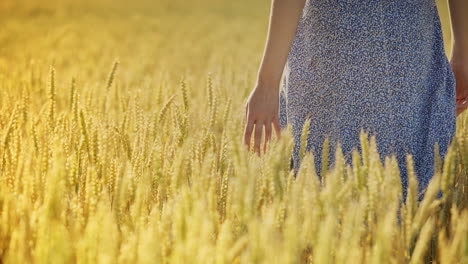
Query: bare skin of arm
459, 57
262, 105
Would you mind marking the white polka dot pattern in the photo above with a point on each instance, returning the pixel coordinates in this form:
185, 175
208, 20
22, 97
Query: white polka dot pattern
373, 64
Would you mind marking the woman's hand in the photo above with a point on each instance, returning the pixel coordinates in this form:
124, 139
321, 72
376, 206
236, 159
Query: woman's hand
459, 57
262, 105
459, 66
261, 109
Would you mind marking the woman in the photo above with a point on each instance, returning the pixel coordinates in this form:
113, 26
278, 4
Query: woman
372, 64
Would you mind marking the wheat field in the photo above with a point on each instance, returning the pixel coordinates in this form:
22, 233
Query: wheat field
121, 142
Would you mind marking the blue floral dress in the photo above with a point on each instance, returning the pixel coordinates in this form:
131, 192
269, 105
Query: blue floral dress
373, 64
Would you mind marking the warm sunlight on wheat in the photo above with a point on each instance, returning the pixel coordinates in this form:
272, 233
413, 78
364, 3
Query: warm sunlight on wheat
120, 142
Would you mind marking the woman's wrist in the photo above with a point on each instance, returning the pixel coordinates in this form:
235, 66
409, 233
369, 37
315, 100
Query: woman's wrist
269, 72
268, 82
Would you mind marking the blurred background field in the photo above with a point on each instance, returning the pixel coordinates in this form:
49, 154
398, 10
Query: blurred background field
153, 40
121, 141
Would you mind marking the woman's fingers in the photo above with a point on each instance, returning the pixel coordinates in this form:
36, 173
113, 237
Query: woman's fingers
246, 112
255, 118
462, 105
258, 135
267, 135
277, 126
248, 131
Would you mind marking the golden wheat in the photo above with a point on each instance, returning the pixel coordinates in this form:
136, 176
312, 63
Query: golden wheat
145, 163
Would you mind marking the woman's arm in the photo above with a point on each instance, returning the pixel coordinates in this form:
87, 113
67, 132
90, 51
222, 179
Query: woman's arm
459, 18
459, 57
262, 106
284, 19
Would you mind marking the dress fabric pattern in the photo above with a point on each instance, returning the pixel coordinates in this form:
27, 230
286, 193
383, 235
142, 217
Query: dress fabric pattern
373, 64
